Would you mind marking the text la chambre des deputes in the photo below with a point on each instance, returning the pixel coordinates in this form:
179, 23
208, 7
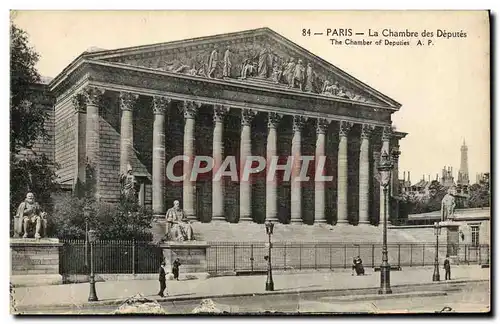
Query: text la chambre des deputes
393, 37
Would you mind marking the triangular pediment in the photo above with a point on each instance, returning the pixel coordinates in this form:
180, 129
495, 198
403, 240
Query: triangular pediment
254, 56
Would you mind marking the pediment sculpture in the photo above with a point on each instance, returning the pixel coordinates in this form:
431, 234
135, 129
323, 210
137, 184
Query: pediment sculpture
256, 62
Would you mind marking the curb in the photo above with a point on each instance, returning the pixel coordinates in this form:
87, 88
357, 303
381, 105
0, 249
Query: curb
335, 291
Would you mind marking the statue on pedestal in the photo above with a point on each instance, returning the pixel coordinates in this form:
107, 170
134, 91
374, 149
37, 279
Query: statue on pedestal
447, 206
30, 214
179, 227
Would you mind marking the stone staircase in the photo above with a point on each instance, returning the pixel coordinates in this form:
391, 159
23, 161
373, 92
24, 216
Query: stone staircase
324, 233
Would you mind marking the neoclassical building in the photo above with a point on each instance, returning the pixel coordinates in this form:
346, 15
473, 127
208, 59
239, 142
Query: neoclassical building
238, 94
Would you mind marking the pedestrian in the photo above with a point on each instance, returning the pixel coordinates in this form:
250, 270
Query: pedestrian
357, 265
175, 268
447, 268
162, 279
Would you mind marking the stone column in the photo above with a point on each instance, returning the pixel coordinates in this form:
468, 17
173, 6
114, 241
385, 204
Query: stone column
247, 116
160, 106
342, 173
386, 147
395, 171
273, 120
92, 138
364, 174
127, 102
395, 181
319, 185
295, 185
218, 156
189, 108
80, 122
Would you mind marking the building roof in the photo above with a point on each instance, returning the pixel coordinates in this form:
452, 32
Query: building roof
248, 40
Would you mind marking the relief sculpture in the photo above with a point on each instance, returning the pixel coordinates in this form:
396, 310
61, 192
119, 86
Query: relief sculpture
253, 60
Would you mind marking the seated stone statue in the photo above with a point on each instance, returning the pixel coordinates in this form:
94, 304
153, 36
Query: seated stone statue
178, 226
29, 214
447, 206
248, 69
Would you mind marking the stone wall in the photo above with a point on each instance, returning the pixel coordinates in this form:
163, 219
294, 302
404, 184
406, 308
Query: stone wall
65, 140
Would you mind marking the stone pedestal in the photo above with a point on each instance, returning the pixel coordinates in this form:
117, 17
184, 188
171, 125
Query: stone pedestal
35, 262
450, 231
192, 255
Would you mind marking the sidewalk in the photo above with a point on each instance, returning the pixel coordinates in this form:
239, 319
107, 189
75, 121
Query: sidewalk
113, 291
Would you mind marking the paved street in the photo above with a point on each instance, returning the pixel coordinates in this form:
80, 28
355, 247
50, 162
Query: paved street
75, 296
470, 297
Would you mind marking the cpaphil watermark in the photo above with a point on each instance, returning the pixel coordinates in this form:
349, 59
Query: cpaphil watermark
303, 168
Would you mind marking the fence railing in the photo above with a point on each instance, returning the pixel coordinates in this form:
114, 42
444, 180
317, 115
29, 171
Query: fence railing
133, 257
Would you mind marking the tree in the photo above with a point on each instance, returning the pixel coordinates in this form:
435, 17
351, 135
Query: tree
34, 173
26, 122
479, 195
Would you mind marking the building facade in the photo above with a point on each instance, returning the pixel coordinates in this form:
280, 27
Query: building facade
239, 94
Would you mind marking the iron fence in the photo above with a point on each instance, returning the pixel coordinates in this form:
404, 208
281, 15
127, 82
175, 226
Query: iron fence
134, 257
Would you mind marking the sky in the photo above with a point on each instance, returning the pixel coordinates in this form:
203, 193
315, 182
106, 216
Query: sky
443, 87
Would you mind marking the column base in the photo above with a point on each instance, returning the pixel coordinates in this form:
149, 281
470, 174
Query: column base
342, 223
246, 219
273, 219
296, 221
364, 223
320, 221
221, 218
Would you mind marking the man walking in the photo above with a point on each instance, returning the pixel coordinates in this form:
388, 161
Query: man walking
447, 268
162, 279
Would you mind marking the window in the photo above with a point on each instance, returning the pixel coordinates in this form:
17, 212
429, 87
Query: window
475, 234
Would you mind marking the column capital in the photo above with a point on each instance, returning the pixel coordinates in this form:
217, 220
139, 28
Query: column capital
386, 133
273, 119
160, 104
322, 125
79, 103
345, 127
298, 123
128, 100
190, 108
220, 112
92, 95
366, 131
395, 155
247, 115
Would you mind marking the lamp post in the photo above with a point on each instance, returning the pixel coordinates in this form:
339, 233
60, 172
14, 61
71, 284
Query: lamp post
385, 169
437, 231
269, 281
86, 216
92, 292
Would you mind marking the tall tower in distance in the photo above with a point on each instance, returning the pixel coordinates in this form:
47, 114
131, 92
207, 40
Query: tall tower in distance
463, 172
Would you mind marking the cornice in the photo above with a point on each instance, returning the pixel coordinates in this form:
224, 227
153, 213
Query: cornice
234, 84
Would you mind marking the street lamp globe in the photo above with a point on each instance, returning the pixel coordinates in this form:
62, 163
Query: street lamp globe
437, 229
92, 236
86, 212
